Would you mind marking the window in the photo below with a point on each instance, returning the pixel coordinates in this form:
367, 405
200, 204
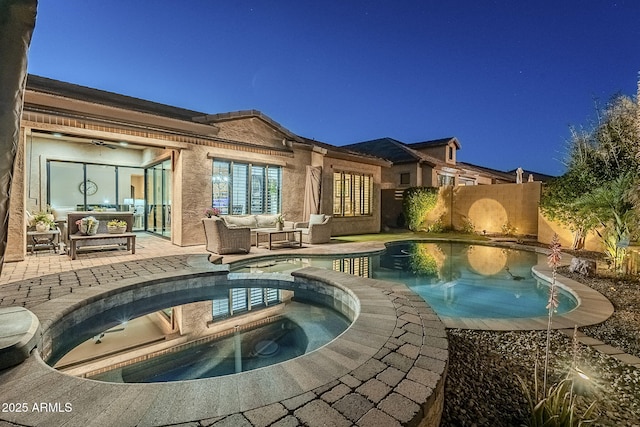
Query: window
238, 300
405, 178
354, 266
450, 152
220, 308
352, 194
445, 180
241, 300
241, 188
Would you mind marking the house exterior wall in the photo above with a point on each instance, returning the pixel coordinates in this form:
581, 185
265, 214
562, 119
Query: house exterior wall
391, 176
191, 176
193, 179
441, 152
191, 148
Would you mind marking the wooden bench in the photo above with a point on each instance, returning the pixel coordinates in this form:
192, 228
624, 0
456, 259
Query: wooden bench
102, 237
75, 238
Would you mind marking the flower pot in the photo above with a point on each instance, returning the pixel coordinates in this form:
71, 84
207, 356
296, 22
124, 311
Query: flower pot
41, 227
116, 229
279, 226
88, 228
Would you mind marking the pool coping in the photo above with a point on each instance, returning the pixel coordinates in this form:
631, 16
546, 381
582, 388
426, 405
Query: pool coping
395, 354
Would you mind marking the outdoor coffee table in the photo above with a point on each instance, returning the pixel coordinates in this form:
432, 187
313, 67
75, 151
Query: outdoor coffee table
286, 231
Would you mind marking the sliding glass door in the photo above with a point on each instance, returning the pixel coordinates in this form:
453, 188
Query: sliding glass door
158, 185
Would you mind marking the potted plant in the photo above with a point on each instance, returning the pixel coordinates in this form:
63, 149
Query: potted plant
279, 222
209, 212
88, 225
42, 221
116, 226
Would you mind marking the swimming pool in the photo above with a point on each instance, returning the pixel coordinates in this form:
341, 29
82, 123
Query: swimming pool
456, 279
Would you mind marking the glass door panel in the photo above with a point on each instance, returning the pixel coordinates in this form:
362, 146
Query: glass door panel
158, 184
66, 185
131, 194
100, 188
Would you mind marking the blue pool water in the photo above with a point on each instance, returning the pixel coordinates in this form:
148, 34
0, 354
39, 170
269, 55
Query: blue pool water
300, 329
457, 280
304, 328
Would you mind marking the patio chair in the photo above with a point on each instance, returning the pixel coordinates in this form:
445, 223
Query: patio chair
316, 230
221, 239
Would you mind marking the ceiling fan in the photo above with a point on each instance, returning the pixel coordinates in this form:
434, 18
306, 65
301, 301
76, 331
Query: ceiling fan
104, 144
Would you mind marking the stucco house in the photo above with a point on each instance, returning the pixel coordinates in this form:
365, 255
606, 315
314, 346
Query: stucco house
430, 163
83, 148
425, 164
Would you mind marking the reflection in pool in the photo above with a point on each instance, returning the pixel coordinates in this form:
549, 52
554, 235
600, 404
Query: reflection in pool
129, 353
250, 349
457, 280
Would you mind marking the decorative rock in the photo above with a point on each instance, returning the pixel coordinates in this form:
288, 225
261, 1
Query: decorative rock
583, 266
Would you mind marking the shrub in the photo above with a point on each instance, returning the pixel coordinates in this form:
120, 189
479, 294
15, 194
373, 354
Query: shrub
509, 229
437, 227
417, 202
467, 226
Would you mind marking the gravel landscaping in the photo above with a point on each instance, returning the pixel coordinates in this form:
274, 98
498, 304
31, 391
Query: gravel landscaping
482, 388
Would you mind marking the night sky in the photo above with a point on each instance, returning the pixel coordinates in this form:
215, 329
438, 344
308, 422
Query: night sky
507, 78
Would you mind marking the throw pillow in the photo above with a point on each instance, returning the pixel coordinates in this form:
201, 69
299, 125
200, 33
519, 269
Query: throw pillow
316, 219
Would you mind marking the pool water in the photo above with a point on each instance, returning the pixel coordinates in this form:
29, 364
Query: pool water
302, 328
457, 280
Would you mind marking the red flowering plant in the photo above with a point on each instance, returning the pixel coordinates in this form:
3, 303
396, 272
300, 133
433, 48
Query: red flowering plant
209, 212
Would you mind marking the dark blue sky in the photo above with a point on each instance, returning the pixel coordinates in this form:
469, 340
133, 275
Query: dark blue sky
506, 78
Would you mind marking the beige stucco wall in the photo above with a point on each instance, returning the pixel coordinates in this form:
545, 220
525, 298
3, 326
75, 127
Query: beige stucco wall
547, 228
16, 233
490, 207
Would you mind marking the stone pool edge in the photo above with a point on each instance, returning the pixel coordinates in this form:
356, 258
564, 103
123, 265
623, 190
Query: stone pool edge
402, 375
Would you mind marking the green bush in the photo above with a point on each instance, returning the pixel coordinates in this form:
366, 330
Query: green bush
417, 202
437, 227
467, 226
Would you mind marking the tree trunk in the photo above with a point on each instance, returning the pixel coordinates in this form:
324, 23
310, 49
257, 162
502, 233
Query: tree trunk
17, 21
578, 239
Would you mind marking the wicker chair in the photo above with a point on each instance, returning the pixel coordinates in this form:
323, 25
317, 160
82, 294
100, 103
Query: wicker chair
316, 230
224, 240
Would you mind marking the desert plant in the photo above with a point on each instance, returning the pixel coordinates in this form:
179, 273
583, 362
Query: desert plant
556, 406
509, 229
417, 202
467, 226
436, 227
553, 260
